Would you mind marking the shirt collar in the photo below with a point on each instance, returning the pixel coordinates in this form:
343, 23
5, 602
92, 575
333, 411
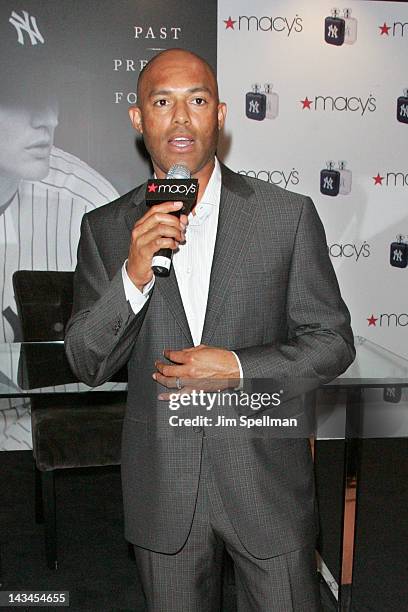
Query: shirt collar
210, 200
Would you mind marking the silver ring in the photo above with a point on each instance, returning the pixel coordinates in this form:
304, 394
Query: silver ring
178, 383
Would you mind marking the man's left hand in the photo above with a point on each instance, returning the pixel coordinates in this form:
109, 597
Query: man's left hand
202, 366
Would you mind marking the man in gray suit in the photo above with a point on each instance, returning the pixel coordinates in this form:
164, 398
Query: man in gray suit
251, 295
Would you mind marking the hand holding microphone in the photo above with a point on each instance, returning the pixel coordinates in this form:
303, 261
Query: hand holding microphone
176, 186
157, 229
157, 234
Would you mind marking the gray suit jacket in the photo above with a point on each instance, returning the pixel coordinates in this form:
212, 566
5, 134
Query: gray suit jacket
274, 299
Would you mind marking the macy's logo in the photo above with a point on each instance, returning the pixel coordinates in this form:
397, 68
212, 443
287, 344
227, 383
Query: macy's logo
340, 103
276, 177
396, 29
171, 188
251, 23
388, 320
391, 179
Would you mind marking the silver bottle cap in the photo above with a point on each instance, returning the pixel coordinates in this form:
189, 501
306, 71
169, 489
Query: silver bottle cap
342, 165
256, 88
346, 13
335, 12
405, 92
330, 165
400, 238
268, 87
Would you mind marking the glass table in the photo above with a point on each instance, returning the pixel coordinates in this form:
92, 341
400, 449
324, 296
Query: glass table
342, 411
365, 403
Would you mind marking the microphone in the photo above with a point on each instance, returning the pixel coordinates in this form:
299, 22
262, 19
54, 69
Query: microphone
176, 187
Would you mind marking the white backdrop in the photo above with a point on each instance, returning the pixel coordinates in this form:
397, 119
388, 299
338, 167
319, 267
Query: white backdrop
339, 103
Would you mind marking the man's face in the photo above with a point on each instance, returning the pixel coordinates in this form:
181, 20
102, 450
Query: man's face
27, 135
178, 114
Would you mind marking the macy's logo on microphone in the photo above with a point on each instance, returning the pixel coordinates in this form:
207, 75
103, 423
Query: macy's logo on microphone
172, 188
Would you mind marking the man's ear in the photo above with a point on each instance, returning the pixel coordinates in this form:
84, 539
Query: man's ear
136, 118
222, 113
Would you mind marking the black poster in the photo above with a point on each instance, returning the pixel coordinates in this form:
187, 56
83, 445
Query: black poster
68, 74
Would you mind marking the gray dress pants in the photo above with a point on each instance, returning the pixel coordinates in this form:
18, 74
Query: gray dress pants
190, 580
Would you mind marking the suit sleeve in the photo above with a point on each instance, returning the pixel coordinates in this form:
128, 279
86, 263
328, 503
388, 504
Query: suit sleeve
319, 344
103, 328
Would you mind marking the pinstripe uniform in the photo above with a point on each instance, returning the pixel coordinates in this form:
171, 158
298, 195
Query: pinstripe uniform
39, 230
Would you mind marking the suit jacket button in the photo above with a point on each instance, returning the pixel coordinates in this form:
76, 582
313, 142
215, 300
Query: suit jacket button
117, 325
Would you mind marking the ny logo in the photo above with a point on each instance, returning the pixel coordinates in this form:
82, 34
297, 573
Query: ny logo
26, 23
254, 107
333, 31
404, 110
390, 392
397, 255
328, 183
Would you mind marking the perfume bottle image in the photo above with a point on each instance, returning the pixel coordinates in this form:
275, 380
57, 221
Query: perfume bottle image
350, 32
392, 395
329, 180
399, 253
334, 28
402, 107
272, 102
345, 178
255, 104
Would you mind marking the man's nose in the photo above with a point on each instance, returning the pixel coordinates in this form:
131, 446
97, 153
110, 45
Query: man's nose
47, 116
181, 114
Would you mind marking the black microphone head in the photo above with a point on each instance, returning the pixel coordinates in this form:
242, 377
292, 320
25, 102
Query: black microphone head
178, 171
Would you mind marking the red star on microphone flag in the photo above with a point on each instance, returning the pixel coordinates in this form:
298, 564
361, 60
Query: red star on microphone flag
372, 321
152, 188
384, 29
306, 103
378, 179
229, 23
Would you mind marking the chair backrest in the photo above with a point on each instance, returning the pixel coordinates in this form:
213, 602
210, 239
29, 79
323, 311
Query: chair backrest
44, 303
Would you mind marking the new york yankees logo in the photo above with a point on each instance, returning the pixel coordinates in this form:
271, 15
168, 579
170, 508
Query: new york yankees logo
332, 31
253, 106
328, 183
26, 23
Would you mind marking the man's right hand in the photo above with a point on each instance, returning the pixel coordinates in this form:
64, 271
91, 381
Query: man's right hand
157, 229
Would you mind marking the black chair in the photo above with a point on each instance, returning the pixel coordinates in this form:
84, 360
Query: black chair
71, 430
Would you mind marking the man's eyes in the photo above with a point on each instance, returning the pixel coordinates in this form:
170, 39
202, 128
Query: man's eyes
161, 102
198, 101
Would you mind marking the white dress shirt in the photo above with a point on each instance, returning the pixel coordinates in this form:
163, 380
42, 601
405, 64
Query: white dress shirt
192, 261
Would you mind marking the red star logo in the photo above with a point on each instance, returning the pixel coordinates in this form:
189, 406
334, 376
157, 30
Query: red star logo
378, 179
306, 102
229, 23
152, 188
372, 321
384, 29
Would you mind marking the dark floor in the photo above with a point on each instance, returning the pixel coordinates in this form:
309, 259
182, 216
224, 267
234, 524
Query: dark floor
94, 564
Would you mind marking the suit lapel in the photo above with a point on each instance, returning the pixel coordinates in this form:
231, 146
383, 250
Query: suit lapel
169, 289
236, 217
136, 208
167, 286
